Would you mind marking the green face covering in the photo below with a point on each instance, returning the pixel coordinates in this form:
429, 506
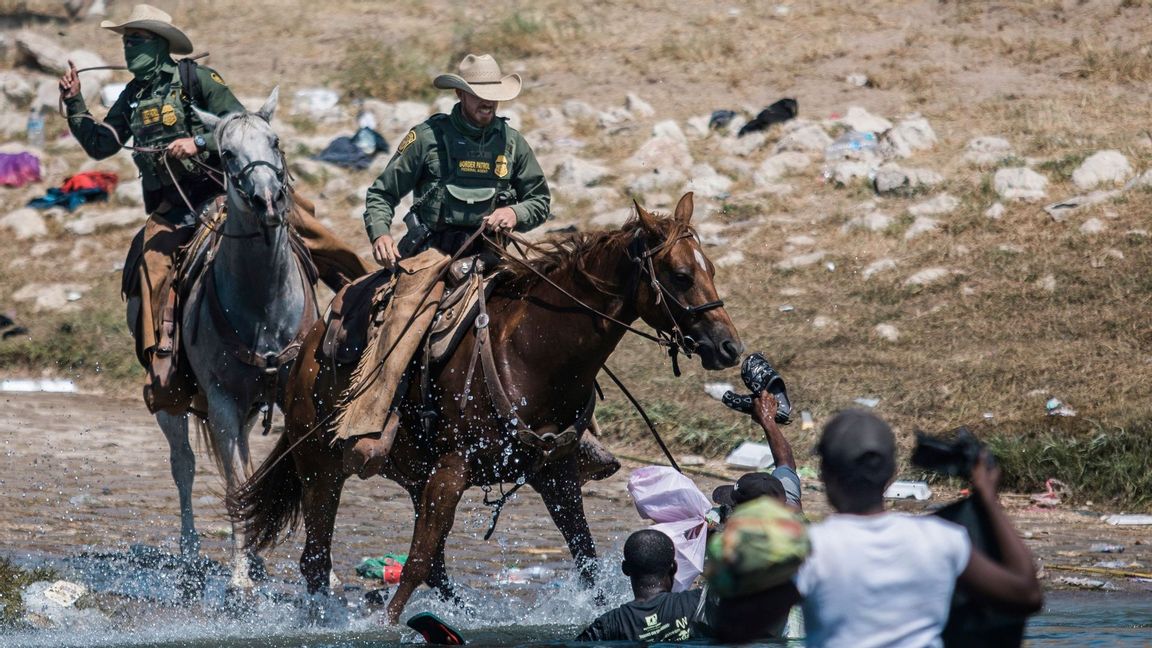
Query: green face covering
143, 58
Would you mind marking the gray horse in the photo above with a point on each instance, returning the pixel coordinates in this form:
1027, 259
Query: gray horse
242, 320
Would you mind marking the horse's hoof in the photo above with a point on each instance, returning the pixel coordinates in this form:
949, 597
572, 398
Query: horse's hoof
257, 569
239, 603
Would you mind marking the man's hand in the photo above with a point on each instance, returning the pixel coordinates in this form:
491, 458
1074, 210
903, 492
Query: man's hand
986, 475
70, 82
385, 252
764, 407
182, 148
501, 219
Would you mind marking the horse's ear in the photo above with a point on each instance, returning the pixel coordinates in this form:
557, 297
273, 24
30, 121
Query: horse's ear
269, 108
683, 213
647, 220
208, 119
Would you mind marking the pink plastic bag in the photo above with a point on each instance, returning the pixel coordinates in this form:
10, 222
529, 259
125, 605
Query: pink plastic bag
19, 169
673, 501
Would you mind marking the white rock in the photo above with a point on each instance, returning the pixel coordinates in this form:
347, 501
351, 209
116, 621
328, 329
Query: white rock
576, 109
808, 138
670, 129
1020, 183
887, 332
847, 171
706, 182
1047, 282
922, 225
662, 152
733, 258
859, 119
94, 80
91, 223
613, 117
1103, 167
780, 165
697, 127
130, 191
878, 266
745, 146
407, 114
1092, 226
928, 276
637, 106
800, 240
872, 222
1142, 180
657, 180
1060, 210
47, 97
42, 52
16, 88
24, 224
801, 261
51, 297
55, 602
612, 219
14, 124
995, 212
579, 172
892, 179
987, 150
910, 135
856, 79
823, 322
319, 104
938, 206
444, 103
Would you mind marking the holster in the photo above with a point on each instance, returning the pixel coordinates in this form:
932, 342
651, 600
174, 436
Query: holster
418, 234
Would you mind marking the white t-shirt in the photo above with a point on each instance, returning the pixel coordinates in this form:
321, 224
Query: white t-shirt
880, 580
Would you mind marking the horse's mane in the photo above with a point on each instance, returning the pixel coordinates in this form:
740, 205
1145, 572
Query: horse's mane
570, 255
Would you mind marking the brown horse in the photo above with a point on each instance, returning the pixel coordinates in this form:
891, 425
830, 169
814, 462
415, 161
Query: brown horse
548, 350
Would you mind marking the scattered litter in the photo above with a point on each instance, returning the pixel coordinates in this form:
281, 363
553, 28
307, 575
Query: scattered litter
47, 385
720, 119
1102, 547
917, 490
1051, 495
1129, 520
988, 416
526, 575
73, 295
355, 152
870, 403
750, 454
786, 308
781, 111
19, 169
830, 266
806, 422
691, 460
78, 189
716, 390
387, 567
1086, 583
315, 102
852, 145
1057, 407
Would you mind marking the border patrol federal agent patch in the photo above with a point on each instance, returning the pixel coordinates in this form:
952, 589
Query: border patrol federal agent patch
167, 115
216, 77
501, 169
150, 116
407, 141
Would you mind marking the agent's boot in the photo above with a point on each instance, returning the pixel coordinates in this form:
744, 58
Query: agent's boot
366, 456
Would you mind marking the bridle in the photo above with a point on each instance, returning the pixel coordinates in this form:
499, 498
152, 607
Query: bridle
241, 181
673, 340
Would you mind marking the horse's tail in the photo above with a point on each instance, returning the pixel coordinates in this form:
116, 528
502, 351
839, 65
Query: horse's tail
269, 502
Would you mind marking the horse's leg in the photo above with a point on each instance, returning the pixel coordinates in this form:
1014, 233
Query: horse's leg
434, 518
183, 462
438, 573
323, 480
227, 424
559, 486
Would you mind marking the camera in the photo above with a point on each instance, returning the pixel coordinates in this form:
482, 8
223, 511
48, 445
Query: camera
953, 457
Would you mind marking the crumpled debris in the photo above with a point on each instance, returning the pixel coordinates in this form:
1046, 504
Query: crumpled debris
1054, 488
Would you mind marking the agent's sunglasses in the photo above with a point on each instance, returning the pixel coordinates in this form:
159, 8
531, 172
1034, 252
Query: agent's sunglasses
131, 40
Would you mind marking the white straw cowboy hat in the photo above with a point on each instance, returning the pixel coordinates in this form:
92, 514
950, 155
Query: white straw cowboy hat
481, 76
151, 19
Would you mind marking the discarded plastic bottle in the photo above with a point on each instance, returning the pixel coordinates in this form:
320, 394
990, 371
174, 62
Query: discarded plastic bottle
35, 129
851, 145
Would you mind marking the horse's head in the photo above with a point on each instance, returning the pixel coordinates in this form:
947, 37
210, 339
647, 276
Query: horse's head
254, 167
677, 292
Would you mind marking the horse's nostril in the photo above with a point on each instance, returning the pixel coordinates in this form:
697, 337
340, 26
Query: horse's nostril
732, 349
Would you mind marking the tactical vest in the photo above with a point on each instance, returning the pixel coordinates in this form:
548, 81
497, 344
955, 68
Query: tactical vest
159, 118
475, 177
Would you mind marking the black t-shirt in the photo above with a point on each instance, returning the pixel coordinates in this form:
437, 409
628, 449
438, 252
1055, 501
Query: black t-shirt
663, 618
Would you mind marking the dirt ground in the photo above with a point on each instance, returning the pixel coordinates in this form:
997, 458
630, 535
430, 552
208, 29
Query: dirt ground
90, 472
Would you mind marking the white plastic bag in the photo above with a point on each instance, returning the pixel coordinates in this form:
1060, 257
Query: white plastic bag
673, 501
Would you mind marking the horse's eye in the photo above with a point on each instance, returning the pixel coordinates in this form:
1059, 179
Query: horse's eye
276, 143
682, 280
227, 155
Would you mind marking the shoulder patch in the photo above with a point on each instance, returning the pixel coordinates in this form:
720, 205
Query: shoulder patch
216, 77
407, 141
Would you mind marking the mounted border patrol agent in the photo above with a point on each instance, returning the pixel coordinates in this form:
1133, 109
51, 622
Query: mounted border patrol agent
465, 168
176, 156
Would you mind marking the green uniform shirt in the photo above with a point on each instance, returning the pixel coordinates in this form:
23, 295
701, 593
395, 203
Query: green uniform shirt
417, 167
98, 142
